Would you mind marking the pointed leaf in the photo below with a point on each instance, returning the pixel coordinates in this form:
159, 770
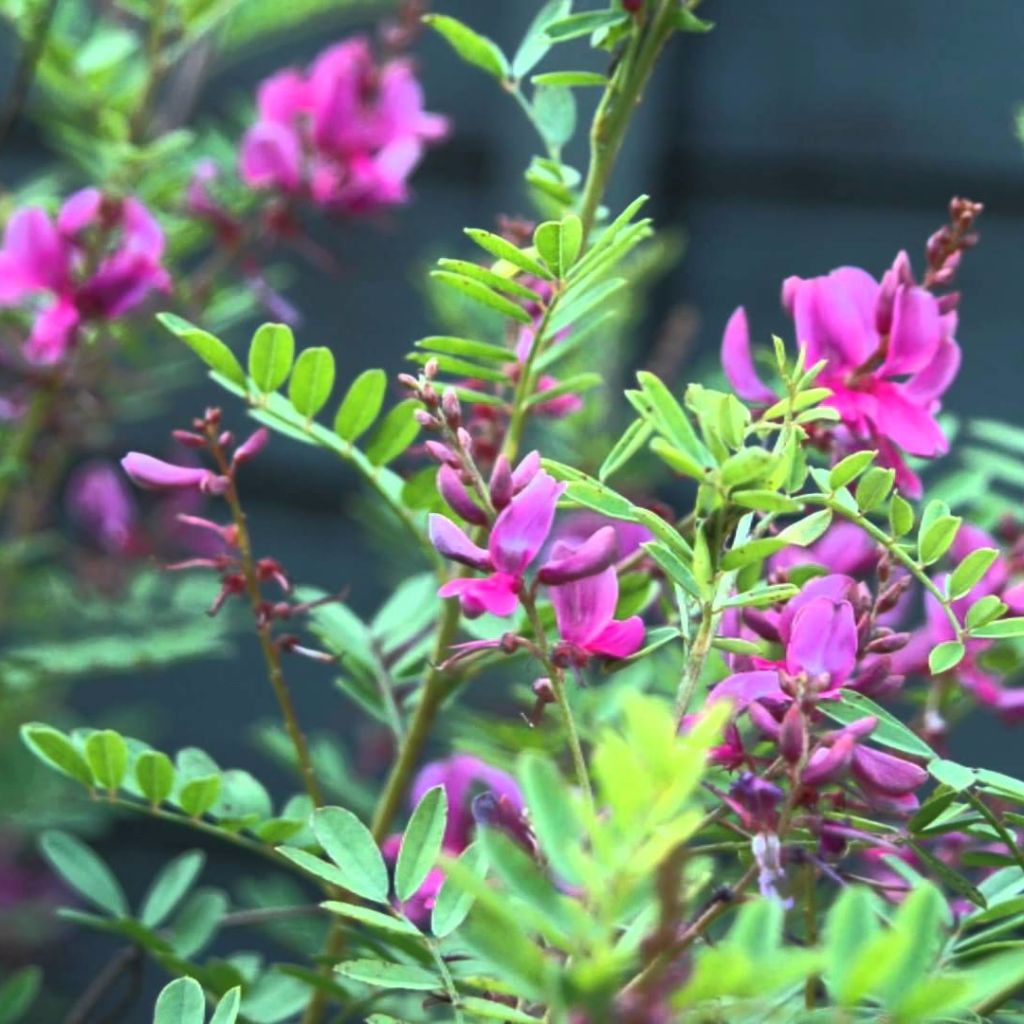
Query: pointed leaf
211, 350
170, 886
348, 842
421, 843
52, 747
84, 872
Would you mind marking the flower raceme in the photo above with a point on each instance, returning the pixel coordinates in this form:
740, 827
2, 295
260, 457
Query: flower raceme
889, 357
346, 134
98, 260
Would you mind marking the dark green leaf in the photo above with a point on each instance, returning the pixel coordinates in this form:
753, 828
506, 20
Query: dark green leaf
18, 992
170, 886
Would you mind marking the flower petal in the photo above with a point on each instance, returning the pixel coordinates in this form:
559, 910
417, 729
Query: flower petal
738, 363
585, 607
452, 543
523, 526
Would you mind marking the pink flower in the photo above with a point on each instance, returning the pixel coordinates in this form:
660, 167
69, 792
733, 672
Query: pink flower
890, 355
346, 134
517, 536
585, 609
100, 503
98, 261
153, 474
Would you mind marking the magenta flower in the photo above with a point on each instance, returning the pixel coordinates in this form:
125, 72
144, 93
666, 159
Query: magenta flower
585, 605
889, 351
153, 474
346, 134
101, 504
516, 538
98, 261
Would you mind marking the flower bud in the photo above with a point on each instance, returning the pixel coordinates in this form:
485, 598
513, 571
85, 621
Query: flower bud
465, 440
154, 474
793, 734
430, 369
425, 419
451, 408
764, 721
500, 484
529, 466
454, 492
252, 446
189, 439
888, 644
595, 555
829, 764
886, 773
441, 453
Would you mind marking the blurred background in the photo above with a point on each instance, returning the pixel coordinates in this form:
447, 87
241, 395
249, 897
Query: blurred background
793, 138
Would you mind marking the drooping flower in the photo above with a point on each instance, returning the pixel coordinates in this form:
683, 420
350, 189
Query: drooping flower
346, 134
152, 474
890, 356
99, 260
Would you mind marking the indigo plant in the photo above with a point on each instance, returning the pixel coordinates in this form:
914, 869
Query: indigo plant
640, 762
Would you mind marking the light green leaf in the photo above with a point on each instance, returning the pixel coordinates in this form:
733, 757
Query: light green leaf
170, 886
901, 516
571, 79
382, 974
535, 43
935, 539
155, 775
312, 380
1001, 629
198, 795
361, 405
84, 872
554, 114
849, 468
874, 487
270, 356
348, 842
505, 250
181, 1002
957, 776
453, 901
228, 1007
396, 432
372, 918
107, 754
472, 47
482, 294
945, 656
421, 842
211, 350
970, 571
52, 747
584, 24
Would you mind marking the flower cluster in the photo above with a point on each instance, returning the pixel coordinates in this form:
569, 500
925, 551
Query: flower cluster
888, 347
345, 135
98, 260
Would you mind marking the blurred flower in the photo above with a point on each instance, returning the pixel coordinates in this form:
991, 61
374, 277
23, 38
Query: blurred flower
98, 261
99, 502
346, 134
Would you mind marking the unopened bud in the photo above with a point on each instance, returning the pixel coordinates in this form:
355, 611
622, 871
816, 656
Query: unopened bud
543, 690
500, 484
451, 408
188, 439
441, 453
425, 420
764, 721
430, 369
793, 734
454, 492
888, 644
226, 439
465, 440
252, 446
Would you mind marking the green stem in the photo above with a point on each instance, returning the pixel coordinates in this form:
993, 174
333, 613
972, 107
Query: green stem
525, 387
614, 112
271, 654
894, 549
436, 688
21, 439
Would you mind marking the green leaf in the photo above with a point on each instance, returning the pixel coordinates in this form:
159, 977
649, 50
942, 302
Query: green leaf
554, 819
466, 349
765, 501
107, 754
197, 921
901, 516
505, 250
584, 24
686, 21
850, 468
454, 902
170, 886
945, 656
270, 356
890, 731
571, 79
421, 843
472, 47
312, 381
396, 432
554, 114
950, 878
181, 1002
315, 866
670, 418
851, 924
874, 487
382, 974
489, 1010
228, 1007
372, 918
1001, 629
752, 551
676, 459
18, 992
747, 466
949, 773
635, 437
482, 294
535, 43
210, 350
154, 774
361, 405
498, 282
84, 872
53, 748
807, 530
198, 795
934, 540
984, 611
970, 571
348, 842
